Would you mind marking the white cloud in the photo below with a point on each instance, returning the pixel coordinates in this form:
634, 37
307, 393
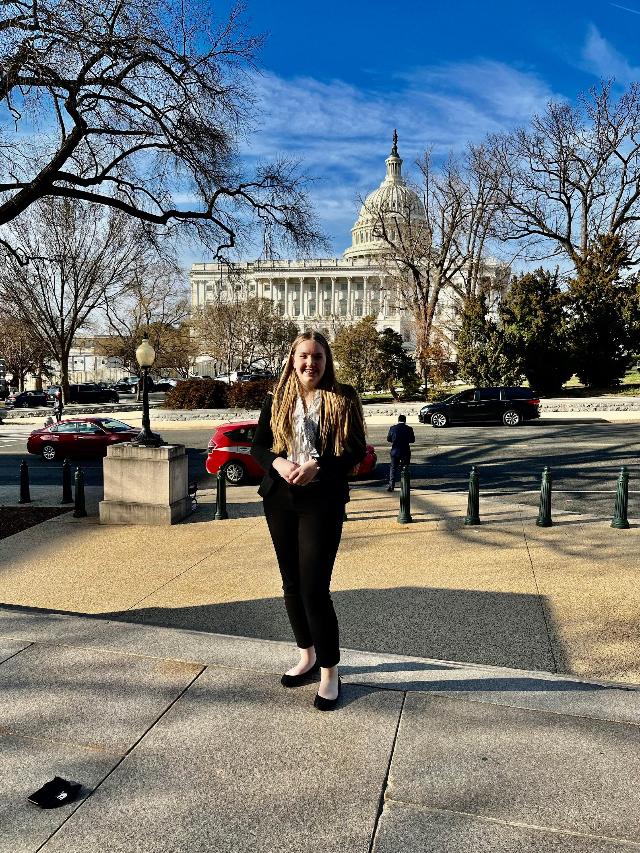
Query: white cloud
343, 133
600, 58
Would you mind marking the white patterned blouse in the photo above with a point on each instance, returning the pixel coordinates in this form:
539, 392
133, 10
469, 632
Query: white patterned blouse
305, 429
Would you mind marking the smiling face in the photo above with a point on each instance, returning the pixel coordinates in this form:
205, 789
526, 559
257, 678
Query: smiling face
309, 362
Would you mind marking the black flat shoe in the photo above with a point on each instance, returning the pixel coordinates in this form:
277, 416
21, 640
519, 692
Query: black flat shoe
323, 704
297, 680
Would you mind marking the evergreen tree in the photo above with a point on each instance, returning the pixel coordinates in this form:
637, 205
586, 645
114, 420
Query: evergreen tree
396, 367
367, 358
355, 348
484, 355
602, 307
534, 320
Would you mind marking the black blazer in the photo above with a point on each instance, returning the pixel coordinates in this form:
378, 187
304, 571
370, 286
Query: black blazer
333, 469
401, 436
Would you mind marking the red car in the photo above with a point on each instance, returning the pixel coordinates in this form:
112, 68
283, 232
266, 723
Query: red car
230, 446
79, 437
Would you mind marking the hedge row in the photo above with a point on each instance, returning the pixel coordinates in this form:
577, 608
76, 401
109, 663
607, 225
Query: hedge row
211, 394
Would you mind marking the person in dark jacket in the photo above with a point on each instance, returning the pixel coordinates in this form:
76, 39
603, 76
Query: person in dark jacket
401, 437
58, 404
310, 435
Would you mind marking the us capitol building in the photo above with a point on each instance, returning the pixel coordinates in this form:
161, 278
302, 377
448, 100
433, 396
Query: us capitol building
330, 292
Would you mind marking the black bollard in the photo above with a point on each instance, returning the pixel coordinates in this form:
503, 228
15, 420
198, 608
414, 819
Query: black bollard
620, 520
544, 515
25, 496
404, 516
473, 502
221, 497
80, 510
67, 494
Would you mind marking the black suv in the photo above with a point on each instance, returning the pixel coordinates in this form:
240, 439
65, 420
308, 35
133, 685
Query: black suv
509, 406
91, 392
27, 400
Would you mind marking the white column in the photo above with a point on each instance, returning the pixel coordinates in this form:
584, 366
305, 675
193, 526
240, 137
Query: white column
318, 306
365, 295
349, 303
286, 295
332, 310
303, 298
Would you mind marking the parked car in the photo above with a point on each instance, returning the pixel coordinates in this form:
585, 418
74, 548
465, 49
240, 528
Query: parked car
510, 406
79, 437
165, 384
27, 400
230, 446
126, 386
90, 392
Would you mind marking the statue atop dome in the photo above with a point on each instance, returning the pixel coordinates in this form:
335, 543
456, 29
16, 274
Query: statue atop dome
394, 200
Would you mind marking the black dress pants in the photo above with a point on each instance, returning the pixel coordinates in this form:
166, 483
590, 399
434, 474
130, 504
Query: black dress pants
305, 523
394, 469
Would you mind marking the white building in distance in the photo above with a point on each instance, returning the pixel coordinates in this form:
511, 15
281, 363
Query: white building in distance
327, 292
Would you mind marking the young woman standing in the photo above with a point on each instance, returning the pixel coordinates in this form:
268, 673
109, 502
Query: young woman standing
309, 436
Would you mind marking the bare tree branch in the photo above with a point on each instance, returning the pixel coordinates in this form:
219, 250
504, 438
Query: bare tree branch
136, 101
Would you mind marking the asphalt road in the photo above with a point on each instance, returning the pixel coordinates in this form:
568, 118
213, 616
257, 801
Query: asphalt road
584, 456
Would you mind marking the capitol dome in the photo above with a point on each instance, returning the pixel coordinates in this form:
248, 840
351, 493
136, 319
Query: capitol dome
400, 205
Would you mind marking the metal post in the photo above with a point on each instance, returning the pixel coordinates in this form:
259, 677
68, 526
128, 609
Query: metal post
67, 494
404, 515
25, 496
80, 510
221, 496
620, 520
146, 438
544, 515
473, 502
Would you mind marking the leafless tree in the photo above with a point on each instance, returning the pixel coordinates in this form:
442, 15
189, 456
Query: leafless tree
241, 333
139, 106
21, 350
571, 175
154, 301
82, 256
439, 245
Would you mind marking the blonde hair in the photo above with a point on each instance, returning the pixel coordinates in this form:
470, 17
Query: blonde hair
341, 406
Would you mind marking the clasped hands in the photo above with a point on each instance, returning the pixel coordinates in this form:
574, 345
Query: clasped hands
294, 474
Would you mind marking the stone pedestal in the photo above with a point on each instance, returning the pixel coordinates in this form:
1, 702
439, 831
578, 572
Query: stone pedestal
145, 485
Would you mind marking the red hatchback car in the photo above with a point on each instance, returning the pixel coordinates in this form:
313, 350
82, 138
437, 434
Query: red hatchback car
230, 446
79, 437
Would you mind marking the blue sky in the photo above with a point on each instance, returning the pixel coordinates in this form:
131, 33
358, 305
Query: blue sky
336, 78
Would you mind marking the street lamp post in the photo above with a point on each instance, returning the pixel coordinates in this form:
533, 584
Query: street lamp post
145, 356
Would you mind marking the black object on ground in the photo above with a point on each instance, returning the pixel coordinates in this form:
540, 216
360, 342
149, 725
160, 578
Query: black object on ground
544, 515
55, 793
620, 520
221, 496
473, 501
25, 496
80, 509
404, 515
67, 495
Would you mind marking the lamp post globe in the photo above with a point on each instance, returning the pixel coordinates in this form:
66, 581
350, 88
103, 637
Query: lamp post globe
145, 356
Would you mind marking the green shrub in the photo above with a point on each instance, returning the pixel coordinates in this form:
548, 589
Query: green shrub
198, 394
249, 395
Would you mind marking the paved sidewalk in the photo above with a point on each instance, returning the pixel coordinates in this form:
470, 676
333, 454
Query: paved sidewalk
453, 732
